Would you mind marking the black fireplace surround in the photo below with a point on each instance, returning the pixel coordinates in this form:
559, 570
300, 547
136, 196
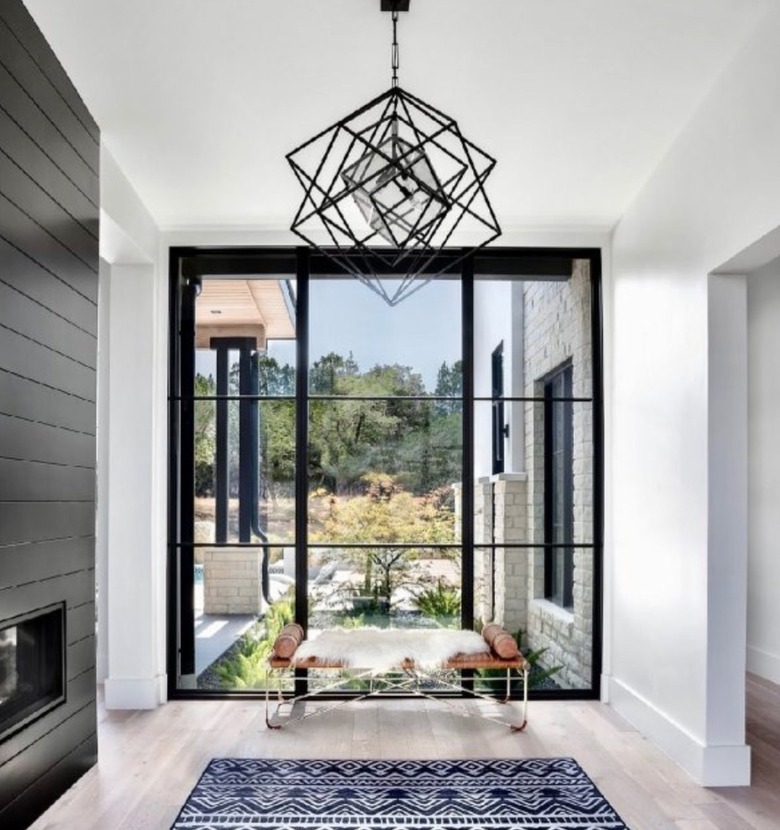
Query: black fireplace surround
49, 271
32, 667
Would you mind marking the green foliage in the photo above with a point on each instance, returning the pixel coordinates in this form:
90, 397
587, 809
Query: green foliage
439, 602
245, 667
275, 378
537, 674
449, 384
416, 440
205, 436
403, 437
386, 513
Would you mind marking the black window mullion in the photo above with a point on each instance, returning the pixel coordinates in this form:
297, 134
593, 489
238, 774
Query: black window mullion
186, 559
302, 439
467, 477
597, 436
567, 554
559, 540
302, 453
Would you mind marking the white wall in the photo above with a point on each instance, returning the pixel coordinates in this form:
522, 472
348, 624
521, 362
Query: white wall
677, 523
492, 325
763, 630
131, 551
138, 449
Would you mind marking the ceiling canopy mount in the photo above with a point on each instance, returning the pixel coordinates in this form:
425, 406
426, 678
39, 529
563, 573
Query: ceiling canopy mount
390, 186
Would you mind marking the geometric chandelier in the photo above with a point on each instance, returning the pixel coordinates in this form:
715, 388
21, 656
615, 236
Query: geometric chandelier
392, 185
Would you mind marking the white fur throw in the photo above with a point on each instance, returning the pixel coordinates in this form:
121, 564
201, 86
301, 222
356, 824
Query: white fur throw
385, 648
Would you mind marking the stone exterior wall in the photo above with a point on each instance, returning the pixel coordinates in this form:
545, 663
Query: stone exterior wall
509, 507
501, 576
231, 581
557, 332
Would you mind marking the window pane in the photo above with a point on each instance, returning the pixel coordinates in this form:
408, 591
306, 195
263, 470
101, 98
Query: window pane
271, 517
384, 586
509, 588
383, 471
256, 309
540, 323
511, 506
234, 624
361, 346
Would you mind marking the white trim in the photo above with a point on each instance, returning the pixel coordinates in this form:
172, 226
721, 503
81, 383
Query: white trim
509, 477
763, 663
710, 766
550, 609
134, 692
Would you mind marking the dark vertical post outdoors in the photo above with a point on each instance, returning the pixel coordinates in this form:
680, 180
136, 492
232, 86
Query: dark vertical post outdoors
190, 293
302, 451
221, 477
246, 446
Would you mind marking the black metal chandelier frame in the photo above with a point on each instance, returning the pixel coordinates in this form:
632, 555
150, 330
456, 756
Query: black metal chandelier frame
389, 185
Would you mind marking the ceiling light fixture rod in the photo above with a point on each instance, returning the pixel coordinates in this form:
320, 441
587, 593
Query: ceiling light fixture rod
395, 57
395, 5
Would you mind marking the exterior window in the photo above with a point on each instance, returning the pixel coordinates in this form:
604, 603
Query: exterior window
559, 488
497, 394
340, 463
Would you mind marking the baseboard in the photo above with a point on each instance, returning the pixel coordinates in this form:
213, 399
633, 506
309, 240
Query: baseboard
710, 766
763, 663
134, 692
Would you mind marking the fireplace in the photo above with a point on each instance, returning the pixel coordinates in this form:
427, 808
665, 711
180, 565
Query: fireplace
32, 666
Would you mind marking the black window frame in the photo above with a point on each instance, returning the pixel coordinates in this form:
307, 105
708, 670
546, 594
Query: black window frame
187, 265
559, 487
499, 430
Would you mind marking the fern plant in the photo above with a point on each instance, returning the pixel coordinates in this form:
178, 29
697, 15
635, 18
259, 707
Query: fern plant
439, 602
244, 667
536, 675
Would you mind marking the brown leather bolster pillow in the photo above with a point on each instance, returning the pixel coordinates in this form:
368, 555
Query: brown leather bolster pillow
288, 640
501, 641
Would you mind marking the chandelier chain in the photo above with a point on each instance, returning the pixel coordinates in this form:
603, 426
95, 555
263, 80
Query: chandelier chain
394, 51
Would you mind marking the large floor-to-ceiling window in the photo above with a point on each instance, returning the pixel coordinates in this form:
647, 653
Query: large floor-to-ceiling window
334, 459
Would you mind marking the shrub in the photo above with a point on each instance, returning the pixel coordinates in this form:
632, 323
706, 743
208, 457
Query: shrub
440, 601
244, 666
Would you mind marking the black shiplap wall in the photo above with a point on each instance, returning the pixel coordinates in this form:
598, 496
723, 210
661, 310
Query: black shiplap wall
49, 160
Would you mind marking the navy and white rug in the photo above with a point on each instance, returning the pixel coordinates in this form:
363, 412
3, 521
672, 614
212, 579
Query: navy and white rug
277, 794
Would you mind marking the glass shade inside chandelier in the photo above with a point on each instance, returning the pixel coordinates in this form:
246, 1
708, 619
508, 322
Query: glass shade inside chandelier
397, 190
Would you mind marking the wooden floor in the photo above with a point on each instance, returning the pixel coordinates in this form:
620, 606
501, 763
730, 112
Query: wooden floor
149, 761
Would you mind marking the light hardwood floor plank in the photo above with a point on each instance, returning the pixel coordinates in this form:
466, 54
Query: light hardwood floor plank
150, 761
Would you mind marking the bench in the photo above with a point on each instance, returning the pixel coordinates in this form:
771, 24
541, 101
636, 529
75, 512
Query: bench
405, 677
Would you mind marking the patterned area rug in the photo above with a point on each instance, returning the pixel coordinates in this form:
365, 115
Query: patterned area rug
276, 794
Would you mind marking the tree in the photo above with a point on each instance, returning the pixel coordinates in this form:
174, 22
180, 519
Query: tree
390, 516
449, 384
326, 374
374, 413
275, 378
205, 436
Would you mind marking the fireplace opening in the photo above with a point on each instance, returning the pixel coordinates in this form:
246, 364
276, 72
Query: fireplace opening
32, 666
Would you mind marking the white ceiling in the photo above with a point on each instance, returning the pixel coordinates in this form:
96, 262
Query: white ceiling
200, 100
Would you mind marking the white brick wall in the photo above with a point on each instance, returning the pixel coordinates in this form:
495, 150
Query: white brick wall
558, 329
231, 581
510, 507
